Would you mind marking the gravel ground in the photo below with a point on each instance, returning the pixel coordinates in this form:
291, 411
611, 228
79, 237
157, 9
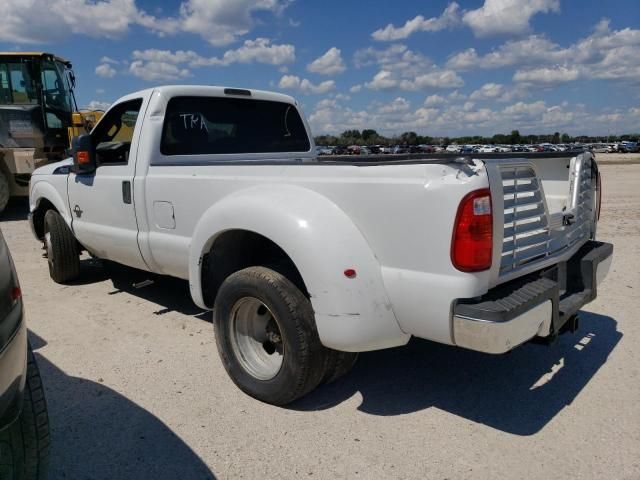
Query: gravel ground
136, 390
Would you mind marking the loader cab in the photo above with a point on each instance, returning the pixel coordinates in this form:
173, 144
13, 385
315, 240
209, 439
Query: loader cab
36, 101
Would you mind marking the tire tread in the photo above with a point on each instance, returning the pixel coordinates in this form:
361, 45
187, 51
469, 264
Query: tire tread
66, 258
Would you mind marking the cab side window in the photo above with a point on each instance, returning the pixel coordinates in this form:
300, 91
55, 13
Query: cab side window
114, 133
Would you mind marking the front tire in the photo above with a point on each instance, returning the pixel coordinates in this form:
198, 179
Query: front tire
61, 247
266, 336
25, 443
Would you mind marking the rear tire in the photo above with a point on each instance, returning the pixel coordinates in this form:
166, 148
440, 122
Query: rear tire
266, 336
25, 443
338, 365
4, 191
62, 250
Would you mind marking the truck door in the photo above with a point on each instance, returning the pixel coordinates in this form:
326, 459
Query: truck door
101, 202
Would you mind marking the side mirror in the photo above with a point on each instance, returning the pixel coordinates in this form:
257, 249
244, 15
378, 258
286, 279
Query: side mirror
84, 154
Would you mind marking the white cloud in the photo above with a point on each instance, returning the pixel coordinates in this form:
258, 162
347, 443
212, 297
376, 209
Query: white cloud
398, 105
219, 22
404, 69
434, 100
547, 76
497, 92
260, 50
556, 116
383, 80
498, 17
452, 118
110, 60
41, 21
521, 109
170, 65
157, 71
488, 91
604, 54
330, 63
449, 18
387, 80
105, 70
293, 82
97, 105
356, 88
465, 60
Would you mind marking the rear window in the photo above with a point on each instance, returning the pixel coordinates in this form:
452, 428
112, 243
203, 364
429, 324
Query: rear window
212, 125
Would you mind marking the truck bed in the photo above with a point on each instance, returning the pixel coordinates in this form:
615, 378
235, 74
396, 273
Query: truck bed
418, 158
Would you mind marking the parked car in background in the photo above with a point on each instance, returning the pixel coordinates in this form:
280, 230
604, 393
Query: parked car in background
24, 422
324, 150
453, 148
399, 149
374, 149
340, 150
628, 147
599, 148
612, 148
385, 149
488, 149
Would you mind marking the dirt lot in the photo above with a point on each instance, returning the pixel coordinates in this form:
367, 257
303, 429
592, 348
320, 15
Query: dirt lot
135, 388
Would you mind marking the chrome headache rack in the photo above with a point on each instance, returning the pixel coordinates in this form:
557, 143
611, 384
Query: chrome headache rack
531, 234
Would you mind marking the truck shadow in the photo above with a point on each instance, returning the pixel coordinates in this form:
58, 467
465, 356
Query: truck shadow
16, 209
517, 393
171, 294
99, 434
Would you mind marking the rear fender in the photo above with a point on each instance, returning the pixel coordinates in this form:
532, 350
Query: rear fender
352, 314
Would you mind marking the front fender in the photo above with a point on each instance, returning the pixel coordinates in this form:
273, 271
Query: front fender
43, 189
352, 314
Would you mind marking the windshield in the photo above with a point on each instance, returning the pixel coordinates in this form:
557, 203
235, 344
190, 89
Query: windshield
56, 94
16, 84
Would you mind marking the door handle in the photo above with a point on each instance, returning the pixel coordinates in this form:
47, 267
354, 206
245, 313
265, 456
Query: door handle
126, 191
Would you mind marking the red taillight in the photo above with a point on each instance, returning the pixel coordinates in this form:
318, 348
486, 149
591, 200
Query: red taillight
598, 195
16, 293
472, 246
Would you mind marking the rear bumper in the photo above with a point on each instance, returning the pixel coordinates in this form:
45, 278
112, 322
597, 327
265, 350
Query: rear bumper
535, 305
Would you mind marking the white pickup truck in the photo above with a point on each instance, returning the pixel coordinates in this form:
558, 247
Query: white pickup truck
308, 260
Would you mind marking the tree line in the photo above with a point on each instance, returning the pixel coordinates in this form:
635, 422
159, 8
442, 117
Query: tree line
372, 137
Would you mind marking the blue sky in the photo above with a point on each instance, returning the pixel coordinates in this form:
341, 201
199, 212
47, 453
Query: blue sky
435, 67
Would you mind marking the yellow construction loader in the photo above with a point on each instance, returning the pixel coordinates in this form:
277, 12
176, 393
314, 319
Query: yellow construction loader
38, 116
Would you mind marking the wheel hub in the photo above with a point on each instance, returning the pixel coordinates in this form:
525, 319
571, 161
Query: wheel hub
256, 339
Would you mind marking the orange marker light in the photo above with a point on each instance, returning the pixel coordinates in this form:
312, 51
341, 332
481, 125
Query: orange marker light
83, 157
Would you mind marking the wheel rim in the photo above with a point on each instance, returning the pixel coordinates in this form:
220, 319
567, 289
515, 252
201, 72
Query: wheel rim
256, 339
48, 247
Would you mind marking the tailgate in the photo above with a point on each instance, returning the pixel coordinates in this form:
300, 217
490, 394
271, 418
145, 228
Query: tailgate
544, 211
